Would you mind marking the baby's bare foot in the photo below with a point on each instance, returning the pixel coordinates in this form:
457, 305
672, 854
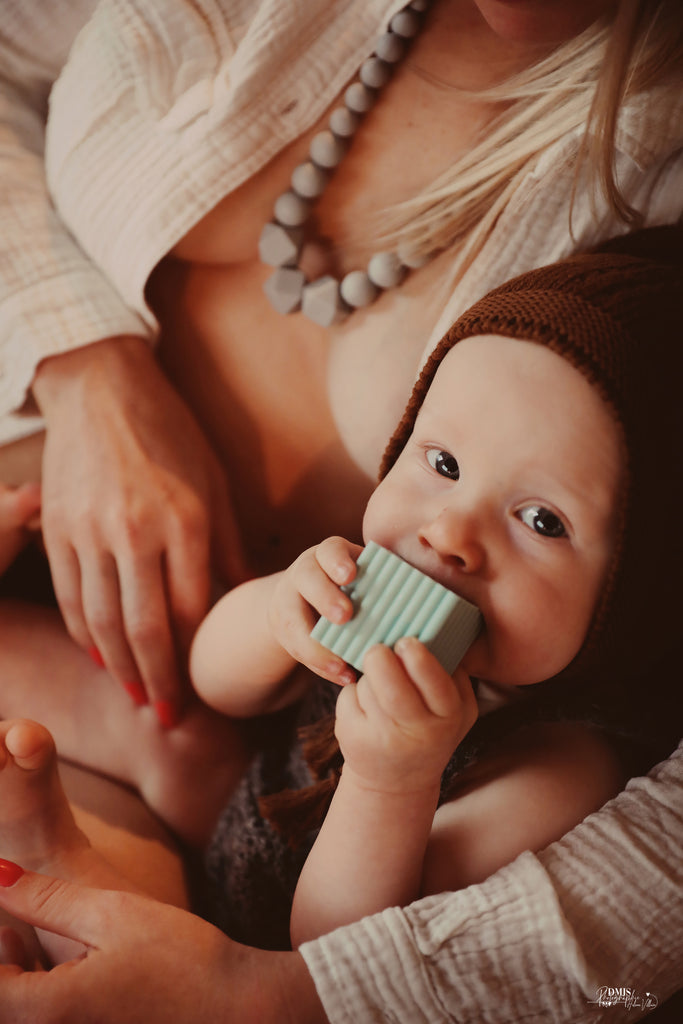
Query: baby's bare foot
37, 828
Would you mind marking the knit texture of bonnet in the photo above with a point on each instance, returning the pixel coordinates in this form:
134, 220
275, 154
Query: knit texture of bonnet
616, 314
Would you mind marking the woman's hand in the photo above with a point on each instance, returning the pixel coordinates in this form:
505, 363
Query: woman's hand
135, 505
312, 584
398, 726
147, 963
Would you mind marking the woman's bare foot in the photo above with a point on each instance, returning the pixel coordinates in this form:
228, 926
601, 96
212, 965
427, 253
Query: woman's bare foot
37, 828
19, 515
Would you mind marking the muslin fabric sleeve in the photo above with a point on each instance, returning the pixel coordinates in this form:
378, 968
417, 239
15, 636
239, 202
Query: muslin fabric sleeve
52, 297
538, 939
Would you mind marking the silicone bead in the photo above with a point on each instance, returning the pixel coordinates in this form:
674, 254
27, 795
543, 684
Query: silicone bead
279, 246
343, 122
359, 98
374, 73
326, 150
386, 270
291, 210
322, 303
308, 180
419, 5
284, 289
390, 48
357, 289
405, 24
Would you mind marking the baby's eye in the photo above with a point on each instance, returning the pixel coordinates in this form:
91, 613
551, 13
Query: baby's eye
543, 521
444, 463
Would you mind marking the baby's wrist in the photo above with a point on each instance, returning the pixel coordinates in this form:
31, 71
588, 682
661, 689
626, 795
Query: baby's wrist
406, 787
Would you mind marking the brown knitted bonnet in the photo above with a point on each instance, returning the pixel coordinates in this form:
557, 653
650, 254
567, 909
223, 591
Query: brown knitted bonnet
616, 313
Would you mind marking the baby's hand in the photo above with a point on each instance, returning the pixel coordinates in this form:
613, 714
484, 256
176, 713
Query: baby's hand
19, 515
398, 726
312, 585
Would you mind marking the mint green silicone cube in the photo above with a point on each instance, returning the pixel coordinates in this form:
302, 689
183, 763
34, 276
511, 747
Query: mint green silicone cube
392, 599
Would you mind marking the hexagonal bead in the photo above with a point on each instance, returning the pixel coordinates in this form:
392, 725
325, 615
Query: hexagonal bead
326, 150
357, 289
343, 122
322, 303
291, 210
308, 180
284, 289
279, 246
405, 24
359, 98
390, 48
374, 73
386, 270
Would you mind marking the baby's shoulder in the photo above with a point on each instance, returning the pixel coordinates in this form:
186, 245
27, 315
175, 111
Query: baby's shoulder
541, 781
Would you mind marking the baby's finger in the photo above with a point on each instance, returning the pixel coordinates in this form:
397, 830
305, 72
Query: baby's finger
321, 593
441, 695
337, 558
292, 626
387, 686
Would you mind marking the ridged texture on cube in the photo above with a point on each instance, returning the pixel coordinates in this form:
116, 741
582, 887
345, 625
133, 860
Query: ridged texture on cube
392, 599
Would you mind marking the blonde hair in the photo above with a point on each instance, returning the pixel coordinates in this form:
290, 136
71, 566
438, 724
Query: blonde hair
582, 84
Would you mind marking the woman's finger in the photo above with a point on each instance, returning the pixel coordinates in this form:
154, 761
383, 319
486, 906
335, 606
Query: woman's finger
65, 570
150, 635
187, 563
102, 608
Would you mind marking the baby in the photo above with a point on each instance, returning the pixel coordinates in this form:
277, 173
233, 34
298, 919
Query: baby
527, 475
522, 477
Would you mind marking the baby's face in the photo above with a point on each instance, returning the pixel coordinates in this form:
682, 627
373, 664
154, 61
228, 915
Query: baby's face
506, 493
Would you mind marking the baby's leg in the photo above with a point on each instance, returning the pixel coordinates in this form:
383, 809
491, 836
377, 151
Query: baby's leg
185, 774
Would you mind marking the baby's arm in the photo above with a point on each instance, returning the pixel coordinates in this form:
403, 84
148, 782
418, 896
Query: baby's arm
244, 653
383, 843
397, 729
236, 664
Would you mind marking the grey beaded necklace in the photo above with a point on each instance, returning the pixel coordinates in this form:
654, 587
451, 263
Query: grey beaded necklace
327, 300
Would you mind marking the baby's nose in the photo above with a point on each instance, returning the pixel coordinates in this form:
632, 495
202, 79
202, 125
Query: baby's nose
455, 538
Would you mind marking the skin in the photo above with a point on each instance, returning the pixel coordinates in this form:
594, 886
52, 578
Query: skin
541, 21
128, 970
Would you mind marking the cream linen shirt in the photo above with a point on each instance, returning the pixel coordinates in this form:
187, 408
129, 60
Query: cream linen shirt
540, 941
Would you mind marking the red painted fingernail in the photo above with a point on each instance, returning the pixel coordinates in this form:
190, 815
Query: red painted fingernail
96, 657
166, 713
136, 693
9, 873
